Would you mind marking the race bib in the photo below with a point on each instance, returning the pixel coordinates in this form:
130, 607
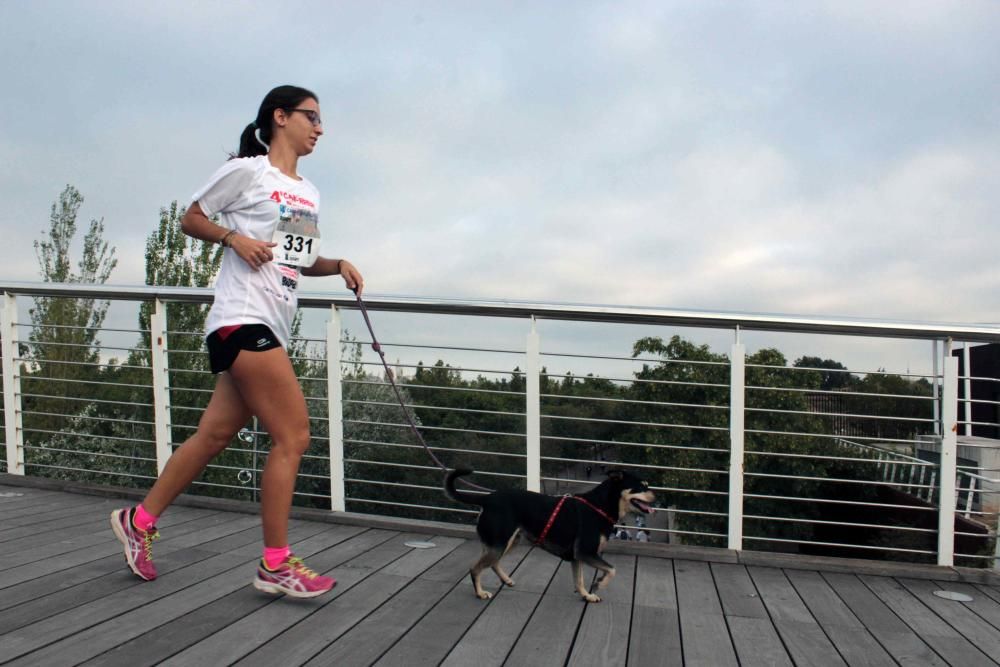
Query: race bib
296, 236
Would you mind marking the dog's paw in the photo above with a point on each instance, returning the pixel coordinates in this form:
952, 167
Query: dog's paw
485, 595
508, 582
590, 597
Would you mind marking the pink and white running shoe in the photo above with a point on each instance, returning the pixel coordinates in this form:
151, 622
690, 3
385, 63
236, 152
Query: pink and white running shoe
292, 578
138, 543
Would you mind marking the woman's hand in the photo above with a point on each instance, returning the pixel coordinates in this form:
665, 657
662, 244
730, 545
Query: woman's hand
253, 252
352, 277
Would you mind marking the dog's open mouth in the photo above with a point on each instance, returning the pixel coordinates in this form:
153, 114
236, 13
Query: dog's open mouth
645, 508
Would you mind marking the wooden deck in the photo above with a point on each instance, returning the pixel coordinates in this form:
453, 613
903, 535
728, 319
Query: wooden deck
66, 598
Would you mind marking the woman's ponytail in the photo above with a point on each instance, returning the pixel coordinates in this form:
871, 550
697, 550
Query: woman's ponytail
250, 145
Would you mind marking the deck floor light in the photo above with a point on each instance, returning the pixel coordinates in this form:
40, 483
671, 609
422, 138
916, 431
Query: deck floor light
952, 595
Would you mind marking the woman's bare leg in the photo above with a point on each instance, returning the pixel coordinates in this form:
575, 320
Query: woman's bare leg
225, 415
267, 383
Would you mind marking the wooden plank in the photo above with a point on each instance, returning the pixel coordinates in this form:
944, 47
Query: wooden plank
959, 615
97, 588
757, 642
548, 636
41, 543
804, 640
754, 637
492, 636
458, 561
737, 592
33, 505
12, 496
705, 639
654, 583
533, 570
56, 509
430, 639
490, 639
881, 568
40, 530
986, 607
60, 580
990, 591
779, 596
848, 634
893, 634
34, 569
695, 588
170, 638
99, 626
238, 639
367, 591
419, 560
945, 641
370, 638
704, 634
655, 638
603, 637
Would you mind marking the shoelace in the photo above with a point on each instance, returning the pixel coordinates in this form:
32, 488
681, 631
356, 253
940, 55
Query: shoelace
296, 563
147, 543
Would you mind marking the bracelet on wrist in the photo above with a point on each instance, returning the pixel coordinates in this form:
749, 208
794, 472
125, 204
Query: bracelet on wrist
226, 241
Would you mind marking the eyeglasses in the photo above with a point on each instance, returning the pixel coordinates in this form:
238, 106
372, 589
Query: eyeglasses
311, 114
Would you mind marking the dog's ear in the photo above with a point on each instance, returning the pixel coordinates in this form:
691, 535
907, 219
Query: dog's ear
616, 475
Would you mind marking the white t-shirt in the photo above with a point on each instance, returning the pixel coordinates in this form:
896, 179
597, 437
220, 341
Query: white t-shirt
251, 196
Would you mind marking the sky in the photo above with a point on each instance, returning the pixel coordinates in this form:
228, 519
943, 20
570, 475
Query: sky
837, 158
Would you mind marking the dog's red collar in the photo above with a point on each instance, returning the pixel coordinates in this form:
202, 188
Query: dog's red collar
555, 512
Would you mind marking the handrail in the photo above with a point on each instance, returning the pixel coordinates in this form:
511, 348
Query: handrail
970, 332
776, 428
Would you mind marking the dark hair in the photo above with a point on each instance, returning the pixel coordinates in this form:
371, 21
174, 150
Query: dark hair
282, 97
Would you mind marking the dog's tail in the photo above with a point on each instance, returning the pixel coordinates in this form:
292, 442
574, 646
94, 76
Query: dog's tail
455, 494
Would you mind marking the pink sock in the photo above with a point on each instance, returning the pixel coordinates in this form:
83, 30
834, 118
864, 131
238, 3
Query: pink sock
273, 557
142, 519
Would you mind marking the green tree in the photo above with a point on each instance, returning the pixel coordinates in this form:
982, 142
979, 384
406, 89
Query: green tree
176, 260
833, 374
63, 346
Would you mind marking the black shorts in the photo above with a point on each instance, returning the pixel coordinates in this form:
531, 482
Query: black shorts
222, 351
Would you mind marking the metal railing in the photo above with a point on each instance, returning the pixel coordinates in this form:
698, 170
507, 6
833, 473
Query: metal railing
743, 450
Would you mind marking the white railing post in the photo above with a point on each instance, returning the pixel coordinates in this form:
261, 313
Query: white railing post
936, 356
967, 388
949, 452
969, 496
161, 384
14, 435
335, 411
737, 394
533, 410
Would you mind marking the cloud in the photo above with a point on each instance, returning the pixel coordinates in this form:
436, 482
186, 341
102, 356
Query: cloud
830, 158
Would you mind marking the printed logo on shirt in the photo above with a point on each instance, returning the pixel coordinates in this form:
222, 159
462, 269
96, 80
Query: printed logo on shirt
289, 198
289, 276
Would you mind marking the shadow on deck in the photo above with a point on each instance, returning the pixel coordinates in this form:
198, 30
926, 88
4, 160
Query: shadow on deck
66, 597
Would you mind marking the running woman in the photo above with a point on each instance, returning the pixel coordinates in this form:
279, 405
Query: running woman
268, 225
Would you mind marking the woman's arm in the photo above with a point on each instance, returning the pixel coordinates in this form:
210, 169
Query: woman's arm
326, 266
196, 224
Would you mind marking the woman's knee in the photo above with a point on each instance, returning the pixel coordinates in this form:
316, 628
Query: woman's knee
292, 442
216, 439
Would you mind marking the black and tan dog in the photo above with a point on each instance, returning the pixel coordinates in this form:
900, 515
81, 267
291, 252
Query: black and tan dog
575, 528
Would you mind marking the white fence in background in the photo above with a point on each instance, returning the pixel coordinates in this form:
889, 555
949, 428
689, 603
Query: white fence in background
743, 454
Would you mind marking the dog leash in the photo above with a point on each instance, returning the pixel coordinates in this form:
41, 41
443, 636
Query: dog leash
399, 396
